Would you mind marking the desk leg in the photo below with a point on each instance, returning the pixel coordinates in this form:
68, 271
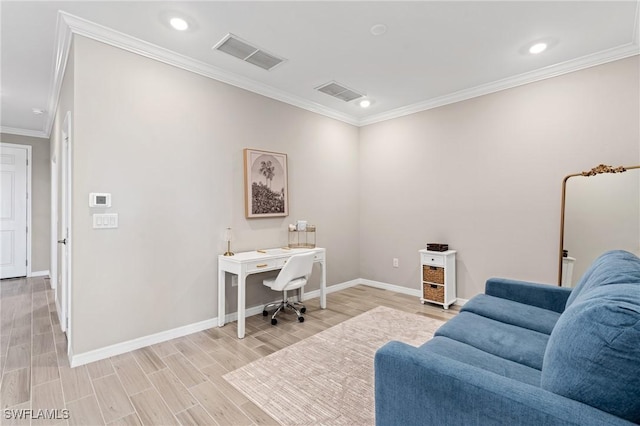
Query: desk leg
221, 297
241, 301
323, 286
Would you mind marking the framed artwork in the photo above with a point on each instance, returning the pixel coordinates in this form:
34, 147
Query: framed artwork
265, 184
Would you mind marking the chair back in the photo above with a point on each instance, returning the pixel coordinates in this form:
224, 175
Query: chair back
295, 273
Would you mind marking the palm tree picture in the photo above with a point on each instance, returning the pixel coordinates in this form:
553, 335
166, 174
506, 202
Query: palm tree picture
266, 169
265, 184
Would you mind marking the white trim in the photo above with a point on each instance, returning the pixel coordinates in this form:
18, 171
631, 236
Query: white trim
40, 274
460, 302
29, 150
67, 151
24, 132
255, 310
69, 24
332, 289
63, 47
392, 287
126, 42
141, 342
54, 153
603, 57
636, 30
29, 206
163, 336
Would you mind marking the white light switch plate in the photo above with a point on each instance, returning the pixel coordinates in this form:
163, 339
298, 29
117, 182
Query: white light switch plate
105, 221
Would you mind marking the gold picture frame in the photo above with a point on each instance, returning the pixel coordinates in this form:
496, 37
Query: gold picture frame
265, 184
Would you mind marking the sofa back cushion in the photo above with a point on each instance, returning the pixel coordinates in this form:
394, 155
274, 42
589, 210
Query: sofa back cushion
612, 267
593, 354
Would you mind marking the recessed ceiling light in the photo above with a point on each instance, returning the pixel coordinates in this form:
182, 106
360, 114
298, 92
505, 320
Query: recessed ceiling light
365, 103
378, 29
538, 48
38, 111
179, 24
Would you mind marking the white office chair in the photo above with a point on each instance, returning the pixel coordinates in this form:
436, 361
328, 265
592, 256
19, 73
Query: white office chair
293, 275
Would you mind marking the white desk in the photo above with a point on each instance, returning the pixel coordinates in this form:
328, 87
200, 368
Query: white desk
254, 262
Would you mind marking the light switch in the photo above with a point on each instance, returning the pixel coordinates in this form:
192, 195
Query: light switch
105, 220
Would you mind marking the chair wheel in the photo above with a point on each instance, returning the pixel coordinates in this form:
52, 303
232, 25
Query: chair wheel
301, 319
303, 310
274, 321
265, 313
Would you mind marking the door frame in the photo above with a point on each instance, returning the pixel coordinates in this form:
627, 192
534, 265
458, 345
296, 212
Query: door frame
29, 150
61, 174
66, 155
53, 255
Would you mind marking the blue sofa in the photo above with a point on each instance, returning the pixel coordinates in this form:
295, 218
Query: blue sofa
525, 354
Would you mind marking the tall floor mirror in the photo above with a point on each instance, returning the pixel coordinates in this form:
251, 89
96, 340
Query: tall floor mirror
600, 212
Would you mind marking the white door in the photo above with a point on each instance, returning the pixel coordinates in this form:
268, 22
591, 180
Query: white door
13, 212
64, 232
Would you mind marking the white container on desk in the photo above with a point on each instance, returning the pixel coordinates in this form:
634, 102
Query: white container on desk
438, 277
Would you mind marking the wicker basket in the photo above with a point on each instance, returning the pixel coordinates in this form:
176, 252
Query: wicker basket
433, 274
433, 292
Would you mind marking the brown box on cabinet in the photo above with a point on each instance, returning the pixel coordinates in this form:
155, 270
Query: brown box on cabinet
437, 247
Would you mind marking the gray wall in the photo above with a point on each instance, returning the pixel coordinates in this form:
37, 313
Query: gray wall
485, 175
41, 198
167, 144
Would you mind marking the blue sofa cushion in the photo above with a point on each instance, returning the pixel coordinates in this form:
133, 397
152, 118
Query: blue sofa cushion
544, 296
612, 267
452, 349
514, 313
593, 354
507, 341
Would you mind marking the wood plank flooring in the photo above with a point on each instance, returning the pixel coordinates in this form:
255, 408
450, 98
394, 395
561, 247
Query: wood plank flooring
178, 382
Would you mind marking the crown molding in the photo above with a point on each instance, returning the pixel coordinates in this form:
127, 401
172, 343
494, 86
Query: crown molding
24, 132
68, 25
603, 57
636, 31
126, 42
62, 43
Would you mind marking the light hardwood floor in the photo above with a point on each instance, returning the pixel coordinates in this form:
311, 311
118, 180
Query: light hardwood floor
171, 383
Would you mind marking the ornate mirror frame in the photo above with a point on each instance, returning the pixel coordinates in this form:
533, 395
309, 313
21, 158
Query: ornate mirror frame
600, 169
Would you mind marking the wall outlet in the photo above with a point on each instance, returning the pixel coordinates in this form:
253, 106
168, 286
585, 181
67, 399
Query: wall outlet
396, 263
234, 280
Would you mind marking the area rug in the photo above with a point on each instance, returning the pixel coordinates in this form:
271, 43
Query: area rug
327, 378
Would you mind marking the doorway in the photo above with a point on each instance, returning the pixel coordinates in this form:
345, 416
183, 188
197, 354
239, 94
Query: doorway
61, 200
15, 210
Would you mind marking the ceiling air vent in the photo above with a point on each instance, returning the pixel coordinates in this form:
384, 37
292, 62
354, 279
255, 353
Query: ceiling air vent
339, 91
235, 46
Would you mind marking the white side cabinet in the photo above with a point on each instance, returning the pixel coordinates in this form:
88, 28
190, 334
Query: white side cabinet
438, 277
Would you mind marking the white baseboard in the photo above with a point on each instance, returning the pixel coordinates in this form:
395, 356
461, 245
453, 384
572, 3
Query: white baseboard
163, 336
248, 312
403, 290
39, 274
391, 287
332, 288
141, 342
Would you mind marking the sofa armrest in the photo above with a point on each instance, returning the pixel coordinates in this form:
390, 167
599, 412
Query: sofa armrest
417, 387
543, 296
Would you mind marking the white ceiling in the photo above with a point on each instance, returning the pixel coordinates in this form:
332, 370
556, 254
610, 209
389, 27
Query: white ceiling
433, 53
